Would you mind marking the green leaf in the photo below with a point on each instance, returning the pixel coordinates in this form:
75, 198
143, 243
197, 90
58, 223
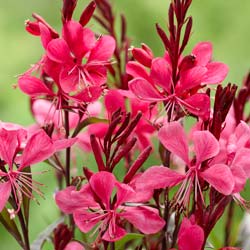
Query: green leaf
86, 122
120, 244
10, 226
44, 235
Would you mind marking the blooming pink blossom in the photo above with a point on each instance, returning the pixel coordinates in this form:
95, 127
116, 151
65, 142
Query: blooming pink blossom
37, 148
93, 204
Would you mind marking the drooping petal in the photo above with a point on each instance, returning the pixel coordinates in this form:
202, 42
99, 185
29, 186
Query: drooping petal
198, 104
241, 160
161, 73
103, 50
124, 193
206, 146
8, 145
113, 101
220, 177
69, 200
190, 236
38, 148
173, 138
33, 86
74, 245
102, 184
145, 219
5, 189
114, 233
158, 177
63, 143
203, 53
145, 91
191, 78
216, 72
85, 221
45, 35
135, 69
58, 51
73, 35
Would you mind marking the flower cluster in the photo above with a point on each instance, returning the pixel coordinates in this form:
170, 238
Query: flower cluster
91, 93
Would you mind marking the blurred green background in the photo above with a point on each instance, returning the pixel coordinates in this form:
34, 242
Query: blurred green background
225, 23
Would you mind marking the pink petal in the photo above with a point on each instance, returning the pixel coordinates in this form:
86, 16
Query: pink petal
73, 35
240, 178
103, 49
88, 39
173, 138
63, 143
190, 236
242, 133
220, 177
45, 35
145, 91
147, 220
191, 78
198, 104
124, 193
117, 233
8, 145
74, 245
5, 189
158, 177
38, 148
89, 94
137, 70
85, 221
161, 73
142, 56
216, 72
113, 101
206, 146
33, 86
203, 53
69, 200
58, 51
98, 183
241, 160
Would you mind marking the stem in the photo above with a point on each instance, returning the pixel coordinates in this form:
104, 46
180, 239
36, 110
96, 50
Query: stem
229, 223
24, 230
67, 170
112, 245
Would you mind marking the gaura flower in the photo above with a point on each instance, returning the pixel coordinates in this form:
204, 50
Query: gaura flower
13, 177
94, 204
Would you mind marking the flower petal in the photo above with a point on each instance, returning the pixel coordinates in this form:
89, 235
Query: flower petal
69, 200
173, 138
220, 177
206, 146
98, 183
161, 73
33, 86
137, 70
38, 148
58, 51
158, 177
117, 233
103, 50
144, 90
145, 219
74, 245
203, 53
216, 72
5, 189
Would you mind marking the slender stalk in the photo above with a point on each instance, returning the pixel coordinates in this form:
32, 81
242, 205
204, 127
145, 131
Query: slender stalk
229, 222
67, 168
24, 230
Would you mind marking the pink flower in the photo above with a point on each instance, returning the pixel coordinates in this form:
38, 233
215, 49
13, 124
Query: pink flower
173, 137
190, 236
93, 205
37, 148
74, 245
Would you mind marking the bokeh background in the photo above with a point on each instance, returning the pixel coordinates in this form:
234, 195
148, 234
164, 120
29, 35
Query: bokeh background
223, 22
